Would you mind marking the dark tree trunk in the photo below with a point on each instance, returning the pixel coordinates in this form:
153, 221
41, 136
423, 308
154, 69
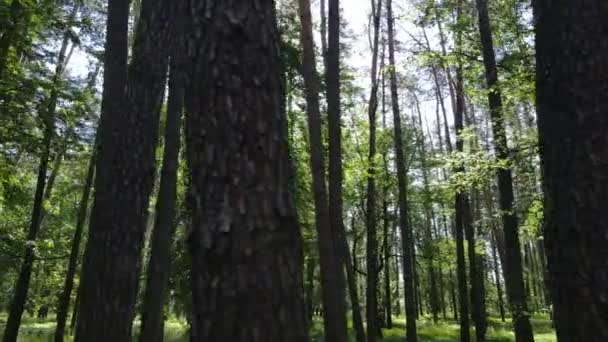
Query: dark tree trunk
125, 171
386, 219
329, 253
309, 289
152, 321
572, 106
371, 294
513, 265
388, 306
13, 322
462, 199
332, 80
478, 288
63, 305
405, 229
64, 300
353, 293
501, 305
245, 240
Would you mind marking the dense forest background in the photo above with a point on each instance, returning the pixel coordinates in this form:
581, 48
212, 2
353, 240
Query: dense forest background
261, 171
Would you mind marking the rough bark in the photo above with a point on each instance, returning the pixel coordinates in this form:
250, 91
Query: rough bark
152, 320
330, 263
245, 240
405, 229
572, 107
125, 170
513, 265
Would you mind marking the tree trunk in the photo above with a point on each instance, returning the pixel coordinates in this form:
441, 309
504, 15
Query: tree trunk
329, 253
337, 332
64, 300
125, 170
501, 305
355, 304
13, 322
245, 240
371, 294
462, 199
513, 266
405, 229
388, 305
572, 104
152, 320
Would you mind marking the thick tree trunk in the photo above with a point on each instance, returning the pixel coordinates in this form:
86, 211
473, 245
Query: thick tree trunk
329, 254
152, 321
245, 240
513, 265
332, 81
11, 329
124, 172
572, 106
405, 229
64, 300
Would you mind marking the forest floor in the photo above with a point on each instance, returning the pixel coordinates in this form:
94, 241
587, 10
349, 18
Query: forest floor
449, 331
41, 331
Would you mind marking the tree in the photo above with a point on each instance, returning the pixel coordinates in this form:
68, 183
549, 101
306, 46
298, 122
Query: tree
329, 252
371, 293
245, 240
152, 322
514, 281
571, 105
332, 83
48, 116
125, 170
405, 230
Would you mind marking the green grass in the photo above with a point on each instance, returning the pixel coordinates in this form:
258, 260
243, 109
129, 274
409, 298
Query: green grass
450, 331
175, 331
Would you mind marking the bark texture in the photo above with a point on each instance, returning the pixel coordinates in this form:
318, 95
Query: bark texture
244, 239
572, 106
125, 171
152, 320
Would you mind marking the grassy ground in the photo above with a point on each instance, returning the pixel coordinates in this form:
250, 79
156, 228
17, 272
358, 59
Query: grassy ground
450, 331
39, 331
